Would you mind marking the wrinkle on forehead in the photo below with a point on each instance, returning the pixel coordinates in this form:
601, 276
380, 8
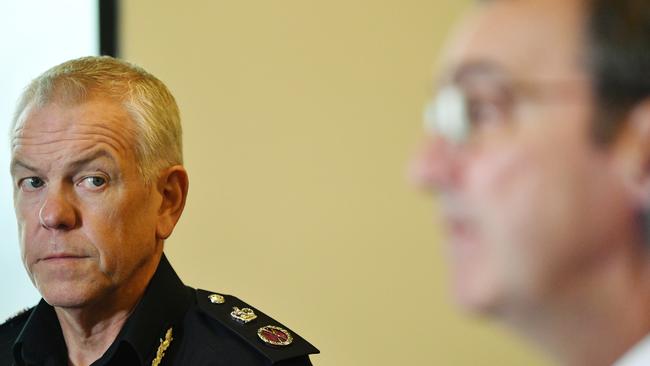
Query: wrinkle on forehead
48, 137
57, 130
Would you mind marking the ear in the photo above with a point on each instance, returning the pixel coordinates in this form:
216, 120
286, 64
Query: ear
172, 185
633, 151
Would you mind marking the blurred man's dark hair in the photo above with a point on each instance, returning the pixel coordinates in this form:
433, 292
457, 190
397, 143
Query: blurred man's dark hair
618, 54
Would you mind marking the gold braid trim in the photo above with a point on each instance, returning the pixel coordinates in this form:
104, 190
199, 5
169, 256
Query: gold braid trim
164, 344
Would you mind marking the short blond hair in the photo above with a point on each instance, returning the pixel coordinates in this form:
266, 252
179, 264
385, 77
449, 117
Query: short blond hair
145, 98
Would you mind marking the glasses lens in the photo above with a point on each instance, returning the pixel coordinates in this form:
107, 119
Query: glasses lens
447, 115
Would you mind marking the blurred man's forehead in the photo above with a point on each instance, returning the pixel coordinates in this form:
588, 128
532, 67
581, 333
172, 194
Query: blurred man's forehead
526, 38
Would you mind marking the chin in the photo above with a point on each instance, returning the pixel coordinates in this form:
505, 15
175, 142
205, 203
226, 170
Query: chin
474, 305
66, 295
476, 295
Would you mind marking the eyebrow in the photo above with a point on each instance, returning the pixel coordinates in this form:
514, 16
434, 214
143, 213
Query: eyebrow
74, 165
474, 69
85, 160
15, 164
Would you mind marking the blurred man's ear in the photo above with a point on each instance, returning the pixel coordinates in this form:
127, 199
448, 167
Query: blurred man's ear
633, 150
173, 184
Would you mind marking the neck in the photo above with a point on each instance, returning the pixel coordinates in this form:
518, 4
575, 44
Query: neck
612, 315
90, 330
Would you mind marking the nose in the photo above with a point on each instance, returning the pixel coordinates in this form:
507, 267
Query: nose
436, 165
57, 212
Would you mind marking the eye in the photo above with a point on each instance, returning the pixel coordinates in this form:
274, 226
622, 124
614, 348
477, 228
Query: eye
93, 182
488, 105
486, 112
31, 184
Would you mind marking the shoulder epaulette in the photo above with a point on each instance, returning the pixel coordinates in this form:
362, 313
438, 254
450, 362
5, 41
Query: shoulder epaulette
275, 341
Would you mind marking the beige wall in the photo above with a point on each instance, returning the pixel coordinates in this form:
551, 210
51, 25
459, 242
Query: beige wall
299, 118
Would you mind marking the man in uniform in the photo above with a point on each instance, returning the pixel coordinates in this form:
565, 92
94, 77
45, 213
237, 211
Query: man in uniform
98, 187
539, 150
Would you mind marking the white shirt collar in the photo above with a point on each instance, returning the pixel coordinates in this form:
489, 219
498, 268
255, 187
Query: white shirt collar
639, 355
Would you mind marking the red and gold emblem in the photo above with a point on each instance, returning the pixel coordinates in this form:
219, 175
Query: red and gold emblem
275, 336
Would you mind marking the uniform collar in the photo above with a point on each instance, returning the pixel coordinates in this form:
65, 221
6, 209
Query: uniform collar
41, 339
162, 306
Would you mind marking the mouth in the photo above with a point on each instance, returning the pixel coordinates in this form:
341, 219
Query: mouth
462, 237
62, 257
458, 227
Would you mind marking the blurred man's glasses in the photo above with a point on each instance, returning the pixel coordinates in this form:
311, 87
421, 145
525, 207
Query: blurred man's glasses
447, 115
481, 98
475, 101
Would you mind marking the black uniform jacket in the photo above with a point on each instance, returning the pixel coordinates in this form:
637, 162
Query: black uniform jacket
203, 332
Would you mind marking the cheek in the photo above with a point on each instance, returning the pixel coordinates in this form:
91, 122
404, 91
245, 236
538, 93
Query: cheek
530, 203
511, 194
105, 227
29, 229
530, 189
122, 234
502, 189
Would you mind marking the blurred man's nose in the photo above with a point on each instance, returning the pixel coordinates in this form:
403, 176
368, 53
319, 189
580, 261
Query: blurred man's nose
57, 212
435, 165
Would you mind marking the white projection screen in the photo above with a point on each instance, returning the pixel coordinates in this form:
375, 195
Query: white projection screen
35, 35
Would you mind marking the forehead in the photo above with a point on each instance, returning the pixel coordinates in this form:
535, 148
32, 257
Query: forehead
61, 128
524, 38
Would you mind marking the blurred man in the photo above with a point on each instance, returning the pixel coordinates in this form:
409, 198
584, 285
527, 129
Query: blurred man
98, 187
539, 149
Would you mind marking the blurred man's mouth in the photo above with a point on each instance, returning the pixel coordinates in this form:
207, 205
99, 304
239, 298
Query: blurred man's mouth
461, 232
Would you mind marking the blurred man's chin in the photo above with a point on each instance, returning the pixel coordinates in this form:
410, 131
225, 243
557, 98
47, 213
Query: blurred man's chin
476, 297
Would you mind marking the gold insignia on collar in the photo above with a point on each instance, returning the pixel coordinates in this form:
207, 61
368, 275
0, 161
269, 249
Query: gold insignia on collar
164, 344
216, 299
244, 315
